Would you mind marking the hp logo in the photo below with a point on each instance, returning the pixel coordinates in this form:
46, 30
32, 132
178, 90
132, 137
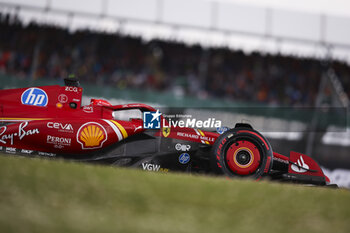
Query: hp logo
184, 158
34, 96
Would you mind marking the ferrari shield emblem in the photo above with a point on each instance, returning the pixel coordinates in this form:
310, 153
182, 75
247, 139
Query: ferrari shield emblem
166, 131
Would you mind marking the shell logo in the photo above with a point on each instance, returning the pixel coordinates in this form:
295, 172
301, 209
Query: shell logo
91, 135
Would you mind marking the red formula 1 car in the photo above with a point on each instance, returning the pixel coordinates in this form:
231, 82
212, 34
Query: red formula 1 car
50, 121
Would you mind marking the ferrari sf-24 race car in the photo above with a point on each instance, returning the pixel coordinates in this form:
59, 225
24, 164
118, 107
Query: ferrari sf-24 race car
50, 121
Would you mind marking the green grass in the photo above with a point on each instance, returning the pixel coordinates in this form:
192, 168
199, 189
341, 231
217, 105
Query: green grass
55, 196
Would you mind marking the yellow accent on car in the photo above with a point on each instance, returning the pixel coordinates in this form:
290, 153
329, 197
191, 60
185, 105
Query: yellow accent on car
201, 132
121, 128
22, 119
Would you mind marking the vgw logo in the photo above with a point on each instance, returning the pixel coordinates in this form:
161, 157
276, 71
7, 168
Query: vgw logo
34, 96
151, 120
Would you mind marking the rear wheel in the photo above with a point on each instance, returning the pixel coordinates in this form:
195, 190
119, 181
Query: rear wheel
242, 152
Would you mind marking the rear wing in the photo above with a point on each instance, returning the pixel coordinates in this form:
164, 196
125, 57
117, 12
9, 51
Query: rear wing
38, 102
141, 107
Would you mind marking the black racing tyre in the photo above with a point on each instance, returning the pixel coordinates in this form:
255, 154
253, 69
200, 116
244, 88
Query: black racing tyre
242, 152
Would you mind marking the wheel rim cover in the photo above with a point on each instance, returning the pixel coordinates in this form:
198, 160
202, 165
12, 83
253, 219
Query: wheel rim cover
237, 151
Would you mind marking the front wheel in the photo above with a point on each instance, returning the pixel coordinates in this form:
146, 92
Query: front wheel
242, 152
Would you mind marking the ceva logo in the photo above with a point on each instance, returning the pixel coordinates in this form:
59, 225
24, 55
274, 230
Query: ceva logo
151, 120
34, 96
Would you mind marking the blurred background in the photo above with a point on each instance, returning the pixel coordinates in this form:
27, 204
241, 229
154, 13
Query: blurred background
282, 66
